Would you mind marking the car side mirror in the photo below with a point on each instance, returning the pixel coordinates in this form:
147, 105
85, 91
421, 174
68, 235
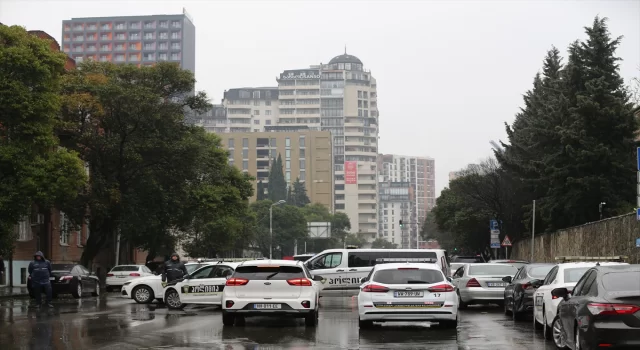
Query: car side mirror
449, 279
227, 276
318, 278
560, 293
507, 279
364, 279
536, 283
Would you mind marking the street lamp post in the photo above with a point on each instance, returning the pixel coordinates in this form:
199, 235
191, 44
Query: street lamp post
600, 208
271, 226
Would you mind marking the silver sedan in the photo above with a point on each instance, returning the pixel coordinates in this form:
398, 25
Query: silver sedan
481, 283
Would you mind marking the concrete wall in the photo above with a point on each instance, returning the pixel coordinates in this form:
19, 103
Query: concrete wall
613, 236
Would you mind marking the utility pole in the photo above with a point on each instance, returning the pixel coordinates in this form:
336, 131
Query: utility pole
533, 229
600, 208
271, 226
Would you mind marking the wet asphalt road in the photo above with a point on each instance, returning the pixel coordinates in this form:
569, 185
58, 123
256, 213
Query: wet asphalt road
110, 322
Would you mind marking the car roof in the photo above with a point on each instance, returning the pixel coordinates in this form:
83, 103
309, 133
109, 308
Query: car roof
587, 264
618, 268
271, 262
488, 264
392, 266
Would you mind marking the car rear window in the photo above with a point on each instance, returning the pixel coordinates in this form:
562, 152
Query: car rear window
622, 281
467, 259
408, 276
124, 268
62, 267
275, 273
574, 275
539, 271
492, 270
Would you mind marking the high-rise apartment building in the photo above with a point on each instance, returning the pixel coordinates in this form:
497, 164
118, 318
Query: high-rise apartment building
410, 182
339, 97
305, 155
140, 40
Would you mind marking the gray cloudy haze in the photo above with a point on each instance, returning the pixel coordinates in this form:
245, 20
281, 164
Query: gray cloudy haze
449, 73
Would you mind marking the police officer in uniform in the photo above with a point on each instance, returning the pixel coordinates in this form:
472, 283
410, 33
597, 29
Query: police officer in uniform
174, 269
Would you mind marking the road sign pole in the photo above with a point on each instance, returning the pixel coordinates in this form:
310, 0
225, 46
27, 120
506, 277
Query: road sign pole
506, 252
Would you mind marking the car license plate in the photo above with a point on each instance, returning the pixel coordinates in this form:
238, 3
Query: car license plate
121, 276
52, 278
407, 294
496, 284
267, 306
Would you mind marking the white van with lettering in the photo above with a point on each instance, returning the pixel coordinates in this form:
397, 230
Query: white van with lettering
343, 268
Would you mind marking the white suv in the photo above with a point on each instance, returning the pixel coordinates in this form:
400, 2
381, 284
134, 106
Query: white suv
270, 288
407, 292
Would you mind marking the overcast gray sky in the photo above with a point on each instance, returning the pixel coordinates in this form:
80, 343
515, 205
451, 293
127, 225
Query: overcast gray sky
450, 73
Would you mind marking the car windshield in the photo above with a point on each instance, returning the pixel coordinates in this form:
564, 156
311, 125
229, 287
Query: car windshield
127, 268
539, 271
574, 275
269, 272
406, 276
622, 281
62, 267
192, 267
492, 270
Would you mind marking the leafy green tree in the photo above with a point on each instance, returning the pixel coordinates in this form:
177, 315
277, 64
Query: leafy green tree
355, 240
298, 193
289, 225
277, 186
128, 125
260, 195
32, 167
340, 226
380, 243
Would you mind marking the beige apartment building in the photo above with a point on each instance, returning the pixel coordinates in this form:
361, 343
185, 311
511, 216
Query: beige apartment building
306, 154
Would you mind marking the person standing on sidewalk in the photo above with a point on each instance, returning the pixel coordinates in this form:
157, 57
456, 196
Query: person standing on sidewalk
1, 269
40, 273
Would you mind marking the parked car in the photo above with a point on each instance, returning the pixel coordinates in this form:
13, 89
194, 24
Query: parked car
517, 263
518, 294
455, 267
468, 259
481, 283
203, 286
564, 275
605, 303
71, 279
121, 274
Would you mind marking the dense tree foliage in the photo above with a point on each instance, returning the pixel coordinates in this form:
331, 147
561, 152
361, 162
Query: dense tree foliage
570, 148
298, 194
381, 243
33, 169
277, 186
289, 225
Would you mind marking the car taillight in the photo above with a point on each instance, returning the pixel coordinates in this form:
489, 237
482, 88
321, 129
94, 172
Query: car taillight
612, 309
229, 303
526, 286
109, 275
473, 283
441, 288
374, 288
64, 278
134, 274
300, 282
237, 281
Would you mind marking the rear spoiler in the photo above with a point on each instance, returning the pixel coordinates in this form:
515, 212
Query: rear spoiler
615, 258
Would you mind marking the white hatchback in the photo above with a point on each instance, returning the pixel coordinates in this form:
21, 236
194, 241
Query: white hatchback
407, 292
121, 274
270, 288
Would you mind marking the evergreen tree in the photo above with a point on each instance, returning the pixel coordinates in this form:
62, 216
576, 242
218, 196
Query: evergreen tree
277, 186
298, 195
290, 199
260, 195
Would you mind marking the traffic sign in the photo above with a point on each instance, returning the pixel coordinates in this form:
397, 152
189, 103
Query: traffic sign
495, 245
637, 242
638, 214
493, 224
506, 242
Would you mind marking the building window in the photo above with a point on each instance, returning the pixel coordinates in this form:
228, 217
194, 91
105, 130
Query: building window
134, 36
267, 112
245, 154
303, 175
245, 165
287, 164
24, 230
274, 153
302, 164
288, 176
340, 206
302, 140
256, 112
231, 162
175, 57
287, 142
268, 121
163, 46
273, 142
231, 143
175, 46
162, 57
64, 229
256, 121
287, 153
175, 24
302, 153
267, 103
148, 36
175, 35
245, 143
164, 24
164, 35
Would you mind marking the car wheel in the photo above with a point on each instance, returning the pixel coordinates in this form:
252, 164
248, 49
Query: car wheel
96, 293
558, 338
142, 294
365, 324
228, 319
311, 320
77, 292
461, 304
172, 299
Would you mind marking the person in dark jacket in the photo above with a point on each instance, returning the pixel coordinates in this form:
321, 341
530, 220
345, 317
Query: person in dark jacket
1, 269
174, 269
40, 273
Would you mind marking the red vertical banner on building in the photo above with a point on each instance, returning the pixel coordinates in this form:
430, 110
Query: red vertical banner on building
351, 173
